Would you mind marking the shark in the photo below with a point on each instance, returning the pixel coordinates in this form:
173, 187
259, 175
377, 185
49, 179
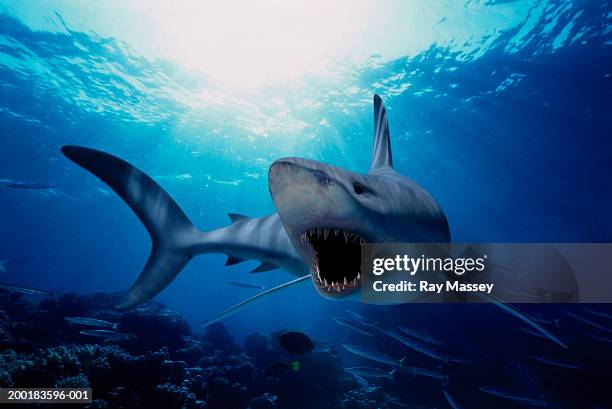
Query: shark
324, 214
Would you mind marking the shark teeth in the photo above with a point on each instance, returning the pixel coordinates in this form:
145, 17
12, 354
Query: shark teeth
337, 287
325, 234
329, 245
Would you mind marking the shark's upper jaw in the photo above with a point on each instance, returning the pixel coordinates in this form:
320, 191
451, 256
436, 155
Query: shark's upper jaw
336, 264
323, 220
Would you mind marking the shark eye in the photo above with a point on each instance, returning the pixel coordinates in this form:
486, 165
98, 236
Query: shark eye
358, 188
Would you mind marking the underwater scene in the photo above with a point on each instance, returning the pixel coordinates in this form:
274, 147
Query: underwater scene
184, 187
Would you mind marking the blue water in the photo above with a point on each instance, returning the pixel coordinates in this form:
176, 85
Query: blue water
509, 130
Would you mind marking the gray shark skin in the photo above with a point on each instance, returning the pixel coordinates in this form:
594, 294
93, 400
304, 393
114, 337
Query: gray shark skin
324, 213
174, 238
380, 206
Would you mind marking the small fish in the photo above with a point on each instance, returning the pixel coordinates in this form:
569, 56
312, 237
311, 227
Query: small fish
92, 322
296, 342
368, 372
594, 312
515, 312
541, 320
533, 333
556, 362
360, 319
524, 399
106, 334
22, 289
190, 340
246, 285
415, 345
361, 380
420, 335
598, 337
373, 355
587, 321
352, 326
416, 371
27, 186
451, 401
459, 359
3, 265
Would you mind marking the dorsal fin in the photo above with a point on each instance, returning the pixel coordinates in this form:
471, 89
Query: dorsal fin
235, 217
264, 267
381, 151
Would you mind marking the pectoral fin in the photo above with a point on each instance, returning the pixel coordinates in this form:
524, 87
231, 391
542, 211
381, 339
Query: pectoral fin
264, 267
243, 304
231, 260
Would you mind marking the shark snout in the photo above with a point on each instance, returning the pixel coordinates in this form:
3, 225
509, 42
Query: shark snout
322, 220
304, 189
321, 177
297, 172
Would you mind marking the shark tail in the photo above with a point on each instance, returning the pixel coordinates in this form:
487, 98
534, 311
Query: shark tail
173, 236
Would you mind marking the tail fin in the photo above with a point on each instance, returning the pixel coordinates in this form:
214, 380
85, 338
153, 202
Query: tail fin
171, 231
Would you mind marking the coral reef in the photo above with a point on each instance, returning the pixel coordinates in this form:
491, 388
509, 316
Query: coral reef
165, 365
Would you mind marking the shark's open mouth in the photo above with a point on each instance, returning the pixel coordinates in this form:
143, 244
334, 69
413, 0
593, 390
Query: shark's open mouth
336, 265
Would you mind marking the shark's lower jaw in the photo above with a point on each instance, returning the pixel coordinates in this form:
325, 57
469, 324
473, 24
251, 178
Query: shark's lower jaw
336, 265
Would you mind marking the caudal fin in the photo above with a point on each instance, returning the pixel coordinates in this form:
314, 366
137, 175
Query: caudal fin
171, 232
